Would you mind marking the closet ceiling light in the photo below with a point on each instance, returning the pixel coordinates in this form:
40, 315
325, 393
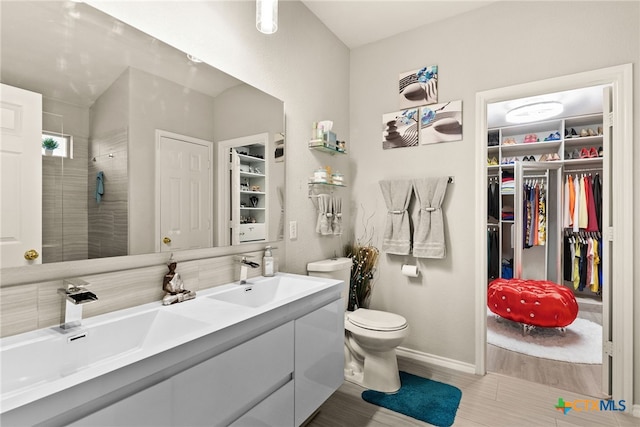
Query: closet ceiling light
267, 16
534, 112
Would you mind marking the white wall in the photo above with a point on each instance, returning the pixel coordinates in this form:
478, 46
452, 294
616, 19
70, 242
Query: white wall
503, 44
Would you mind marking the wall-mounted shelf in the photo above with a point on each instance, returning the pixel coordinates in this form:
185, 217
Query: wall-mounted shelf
327, 183
327, 149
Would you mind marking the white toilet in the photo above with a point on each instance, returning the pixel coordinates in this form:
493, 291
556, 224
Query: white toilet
371, 336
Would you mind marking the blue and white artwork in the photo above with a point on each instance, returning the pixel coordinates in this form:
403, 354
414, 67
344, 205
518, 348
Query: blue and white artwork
400, 129
441, 122
418, 87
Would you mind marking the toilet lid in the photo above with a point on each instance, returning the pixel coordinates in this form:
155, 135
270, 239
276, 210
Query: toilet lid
377, 320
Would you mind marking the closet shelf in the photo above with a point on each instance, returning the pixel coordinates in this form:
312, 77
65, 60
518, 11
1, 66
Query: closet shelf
249, 158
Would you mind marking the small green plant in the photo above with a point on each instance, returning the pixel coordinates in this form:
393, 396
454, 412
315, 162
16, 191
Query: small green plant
49, 144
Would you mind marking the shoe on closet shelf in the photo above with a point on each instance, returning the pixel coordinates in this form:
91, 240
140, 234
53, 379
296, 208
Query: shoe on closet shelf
544, 158
599, 130
492, 161
567, 155
584, 132
509, 141
600, 152
575, 154
593, 152
554, 156
584, 153
553, 137
591, 132
532, 159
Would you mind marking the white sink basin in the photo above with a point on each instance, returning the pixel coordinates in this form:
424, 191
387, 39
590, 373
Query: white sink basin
265, 291
52, 354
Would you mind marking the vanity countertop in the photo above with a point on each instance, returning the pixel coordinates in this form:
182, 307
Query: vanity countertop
144, 344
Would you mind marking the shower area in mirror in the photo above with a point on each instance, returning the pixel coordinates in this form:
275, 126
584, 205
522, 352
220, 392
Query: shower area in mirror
78, 222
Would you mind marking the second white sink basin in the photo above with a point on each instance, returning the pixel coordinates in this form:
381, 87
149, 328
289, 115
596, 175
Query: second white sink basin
266, 290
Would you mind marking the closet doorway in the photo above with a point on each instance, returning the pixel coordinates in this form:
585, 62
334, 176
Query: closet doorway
613, 167
531, 232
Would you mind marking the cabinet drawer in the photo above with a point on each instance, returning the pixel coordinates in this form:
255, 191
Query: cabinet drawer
222, 389
251, 232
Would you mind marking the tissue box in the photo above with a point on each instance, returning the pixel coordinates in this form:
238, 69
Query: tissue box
329, 138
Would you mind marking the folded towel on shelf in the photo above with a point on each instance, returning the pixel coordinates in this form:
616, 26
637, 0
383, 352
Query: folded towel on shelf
397, 235
428, 239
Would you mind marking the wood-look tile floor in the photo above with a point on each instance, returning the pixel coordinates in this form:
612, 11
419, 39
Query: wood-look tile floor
493, 400
577, 377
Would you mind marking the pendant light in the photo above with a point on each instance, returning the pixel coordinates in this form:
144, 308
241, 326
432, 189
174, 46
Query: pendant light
267, 16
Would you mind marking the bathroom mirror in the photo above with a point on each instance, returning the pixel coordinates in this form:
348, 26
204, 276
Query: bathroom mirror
115, 98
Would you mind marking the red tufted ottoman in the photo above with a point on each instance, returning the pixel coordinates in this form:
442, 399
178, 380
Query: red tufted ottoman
532, 302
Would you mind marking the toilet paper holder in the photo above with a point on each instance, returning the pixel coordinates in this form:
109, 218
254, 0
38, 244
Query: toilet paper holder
410, 270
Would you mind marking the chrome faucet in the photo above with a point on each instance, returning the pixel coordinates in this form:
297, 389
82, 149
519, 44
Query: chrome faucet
75, 296
244, 268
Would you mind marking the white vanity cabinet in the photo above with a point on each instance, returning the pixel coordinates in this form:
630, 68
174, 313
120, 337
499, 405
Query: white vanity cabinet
319, 358
278, 378
250, 379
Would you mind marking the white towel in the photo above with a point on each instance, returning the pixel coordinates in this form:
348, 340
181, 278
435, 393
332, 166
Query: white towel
337, 216
397, 235
428, 235
325, 215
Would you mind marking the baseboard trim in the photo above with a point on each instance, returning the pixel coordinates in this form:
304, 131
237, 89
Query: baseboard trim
432, 359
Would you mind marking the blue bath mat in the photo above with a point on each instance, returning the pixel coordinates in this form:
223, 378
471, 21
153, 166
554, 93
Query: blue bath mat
430, 401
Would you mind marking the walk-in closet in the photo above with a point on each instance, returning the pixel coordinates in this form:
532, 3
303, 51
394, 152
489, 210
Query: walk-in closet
545, 185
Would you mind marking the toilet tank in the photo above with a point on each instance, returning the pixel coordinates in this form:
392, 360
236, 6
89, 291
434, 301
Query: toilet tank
333, 268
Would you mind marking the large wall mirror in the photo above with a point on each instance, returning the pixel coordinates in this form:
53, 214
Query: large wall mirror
157, 151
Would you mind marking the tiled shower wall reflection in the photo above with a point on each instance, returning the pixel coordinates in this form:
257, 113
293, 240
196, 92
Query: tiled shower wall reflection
108, 218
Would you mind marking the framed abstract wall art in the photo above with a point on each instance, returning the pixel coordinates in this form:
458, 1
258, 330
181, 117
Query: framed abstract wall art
441, 122
400, 129
418, 87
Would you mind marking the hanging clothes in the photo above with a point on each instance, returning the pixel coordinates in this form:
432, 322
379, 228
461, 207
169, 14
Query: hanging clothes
494, 253
576, 205
493, 199
597, 200
542, 215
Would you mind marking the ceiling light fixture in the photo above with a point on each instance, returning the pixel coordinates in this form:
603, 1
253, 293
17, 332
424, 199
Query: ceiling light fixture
534, 112
267, 16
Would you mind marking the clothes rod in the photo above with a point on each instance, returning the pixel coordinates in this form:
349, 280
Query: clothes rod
594, 169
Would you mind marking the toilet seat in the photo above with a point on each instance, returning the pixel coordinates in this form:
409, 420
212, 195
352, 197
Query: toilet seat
376, 320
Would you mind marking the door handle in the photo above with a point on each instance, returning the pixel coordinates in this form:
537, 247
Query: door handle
31, 254
166, 240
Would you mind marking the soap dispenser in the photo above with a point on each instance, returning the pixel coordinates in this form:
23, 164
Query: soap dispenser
268, 268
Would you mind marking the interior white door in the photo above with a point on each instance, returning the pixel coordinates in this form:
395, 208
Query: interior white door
607, 289
184, 193
20, 177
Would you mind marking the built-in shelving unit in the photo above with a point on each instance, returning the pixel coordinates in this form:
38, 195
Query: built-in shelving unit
252, 193
564, 144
